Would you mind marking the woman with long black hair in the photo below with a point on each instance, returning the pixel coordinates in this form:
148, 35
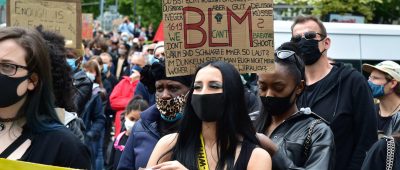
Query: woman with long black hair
216, 131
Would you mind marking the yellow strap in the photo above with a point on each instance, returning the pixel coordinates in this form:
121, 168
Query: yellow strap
202, 157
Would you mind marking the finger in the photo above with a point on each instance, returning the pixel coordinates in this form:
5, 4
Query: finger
160, 165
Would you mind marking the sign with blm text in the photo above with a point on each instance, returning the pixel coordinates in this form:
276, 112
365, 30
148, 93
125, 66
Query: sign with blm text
236, 31
61, 16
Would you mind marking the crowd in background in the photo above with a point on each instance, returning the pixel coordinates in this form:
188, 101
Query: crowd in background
123, 112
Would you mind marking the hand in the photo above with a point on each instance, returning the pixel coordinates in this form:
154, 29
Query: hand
135, 75
267, 144
170, 165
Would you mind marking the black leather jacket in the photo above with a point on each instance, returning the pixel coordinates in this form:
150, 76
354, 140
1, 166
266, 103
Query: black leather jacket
290, 137
83, 91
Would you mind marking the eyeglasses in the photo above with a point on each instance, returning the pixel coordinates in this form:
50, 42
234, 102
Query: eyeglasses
10, 69
283, 54
308, 36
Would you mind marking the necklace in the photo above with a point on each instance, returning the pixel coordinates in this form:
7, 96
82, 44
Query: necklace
391, 113
396, 108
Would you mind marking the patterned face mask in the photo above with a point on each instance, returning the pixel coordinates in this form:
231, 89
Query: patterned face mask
171, 109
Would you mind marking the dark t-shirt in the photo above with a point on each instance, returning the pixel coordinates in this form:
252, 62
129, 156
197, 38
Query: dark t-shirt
311, 92
383, 123
58, 147
376, 156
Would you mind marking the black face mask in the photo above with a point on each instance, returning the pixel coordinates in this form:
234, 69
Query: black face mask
277, 105
8, 88
309, 51
208, 107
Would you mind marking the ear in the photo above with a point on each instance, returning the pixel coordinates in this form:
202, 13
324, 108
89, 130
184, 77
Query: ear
300, 87
327, 43
33, 81
394, 83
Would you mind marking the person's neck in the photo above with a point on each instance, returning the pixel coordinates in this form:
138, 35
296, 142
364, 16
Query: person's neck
108, 74
209, 133
318, 70
278, 119
11, 112
389, 104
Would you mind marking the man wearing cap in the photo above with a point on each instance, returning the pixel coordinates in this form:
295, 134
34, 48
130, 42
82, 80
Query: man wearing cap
384, 81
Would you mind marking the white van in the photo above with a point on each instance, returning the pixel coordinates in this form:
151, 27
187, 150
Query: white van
353, 43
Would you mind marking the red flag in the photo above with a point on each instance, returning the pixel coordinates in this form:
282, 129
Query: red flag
160, 33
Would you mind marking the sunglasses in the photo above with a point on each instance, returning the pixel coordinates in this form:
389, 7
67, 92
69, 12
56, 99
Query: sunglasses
308, 36
283, 54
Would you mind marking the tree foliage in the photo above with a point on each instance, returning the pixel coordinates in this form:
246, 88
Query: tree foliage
150, 11
387, 11
325, 7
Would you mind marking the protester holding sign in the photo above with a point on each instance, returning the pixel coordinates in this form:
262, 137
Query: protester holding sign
302, 139
158, 120
216, 131
29, 127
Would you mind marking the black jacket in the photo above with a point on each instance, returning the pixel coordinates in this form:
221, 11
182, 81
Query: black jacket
290, 137
345, 101
376, 157
58, 147
83, 90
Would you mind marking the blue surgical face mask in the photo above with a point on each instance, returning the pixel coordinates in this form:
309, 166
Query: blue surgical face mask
151, 59
71, 62
377, 90
105, 68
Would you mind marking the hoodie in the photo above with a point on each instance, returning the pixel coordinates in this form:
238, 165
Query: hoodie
344, 99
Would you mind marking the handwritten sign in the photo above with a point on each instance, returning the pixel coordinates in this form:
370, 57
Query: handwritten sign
87, 26
61, 16
236, 31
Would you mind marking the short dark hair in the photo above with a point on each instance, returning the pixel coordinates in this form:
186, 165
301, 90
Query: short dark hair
100, 43
137, 103
304, 18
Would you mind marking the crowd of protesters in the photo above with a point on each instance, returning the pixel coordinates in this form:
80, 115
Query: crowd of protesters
110, 105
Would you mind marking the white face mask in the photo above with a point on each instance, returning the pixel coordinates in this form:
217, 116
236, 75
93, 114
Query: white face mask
129, 124
121, 51
91, 76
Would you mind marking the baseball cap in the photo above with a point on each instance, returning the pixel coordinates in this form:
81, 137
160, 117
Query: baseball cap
388, 67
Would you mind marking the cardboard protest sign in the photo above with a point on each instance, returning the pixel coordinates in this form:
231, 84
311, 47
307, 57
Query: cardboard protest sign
61, 16
237, 31
87, 26
11, 164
